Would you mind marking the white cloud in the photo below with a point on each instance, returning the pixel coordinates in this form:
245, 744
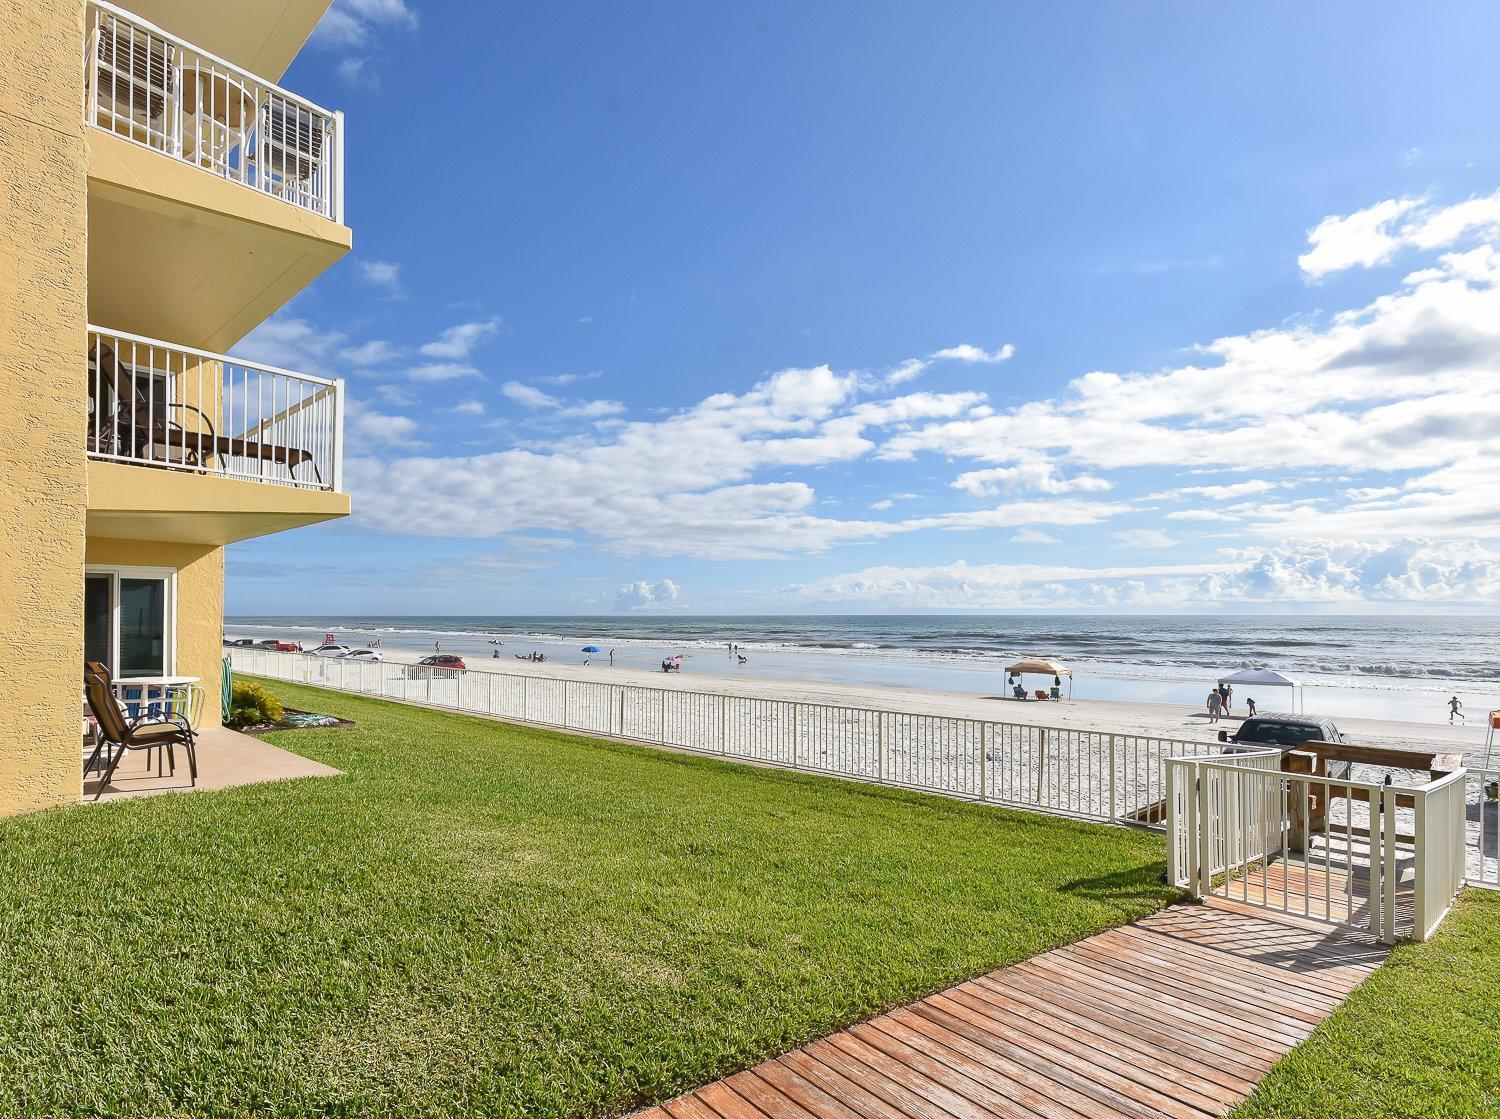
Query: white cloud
359, 28
648, 596
459, 342
528, 396
367, 427
291, 343
377, 351
1039, 477
972, 354
1374, 235
1328, 574
443, 371
914, 367
381, 274
468, 408
1033, 536
1226, 492
1145, 538
1362, 238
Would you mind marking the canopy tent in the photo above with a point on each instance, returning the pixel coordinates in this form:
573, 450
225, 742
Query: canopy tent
1264, 678
1038, 666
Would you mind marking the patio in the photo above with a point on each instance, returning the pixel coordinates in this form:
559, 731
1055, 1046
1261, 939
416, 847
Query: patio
226, 759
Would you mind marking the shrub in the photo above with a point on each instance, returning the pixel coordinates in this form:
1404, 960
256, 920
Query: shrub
251, 703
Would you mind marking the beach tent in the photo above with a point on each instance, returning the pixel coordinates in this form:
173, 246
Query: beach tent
1037, 666
1264, 678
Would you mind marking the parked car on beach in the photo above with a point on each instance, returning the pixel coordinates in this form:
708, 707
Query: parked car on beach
360, 655
278, 646
1284, 732
436, 665
329, 650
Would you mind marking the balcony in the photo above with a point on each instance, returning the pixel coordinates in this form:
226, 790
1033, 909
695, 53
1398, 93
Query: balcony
159, 405
153, 89
231, 449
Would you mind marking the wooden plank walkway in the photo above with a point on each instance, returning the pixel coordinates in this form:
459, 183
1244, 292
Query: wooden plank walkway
1179, 1014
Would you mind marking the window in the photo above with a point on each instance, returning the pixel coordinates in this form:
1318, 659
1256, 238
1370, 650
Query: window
128, 620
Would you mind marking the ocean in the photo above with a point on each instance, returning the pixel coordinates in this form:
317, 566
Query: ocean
1401, 667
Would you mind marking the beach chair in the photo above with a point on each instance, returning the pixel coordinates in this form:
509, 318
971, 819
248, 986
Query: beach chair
121, 736
1041, 693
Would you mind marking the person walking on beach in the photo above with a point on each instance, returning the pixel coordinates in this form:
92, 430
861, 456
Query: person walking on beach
437, 646
1215, 701
1250, 705
1454, 708
1226, 691
611, 658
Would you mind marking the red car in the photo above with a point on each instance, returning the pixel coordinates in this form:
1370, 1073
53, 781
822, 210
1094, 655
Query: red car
430, 666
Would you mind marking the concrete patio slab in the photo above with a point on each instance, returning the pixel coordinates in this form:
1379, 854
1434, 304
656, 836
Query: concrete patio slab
226, 758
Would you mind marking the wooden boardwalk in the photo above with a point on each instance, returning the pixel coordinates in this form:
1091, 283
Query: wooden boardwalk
1177, 1015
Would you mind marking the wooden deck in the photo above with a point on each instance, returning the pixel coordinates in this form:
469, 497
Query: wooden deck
1177, 1015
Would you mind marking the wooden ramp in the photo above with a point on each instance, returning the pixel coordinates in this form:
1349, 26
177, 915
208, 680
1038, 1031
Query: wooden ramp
1177, 1015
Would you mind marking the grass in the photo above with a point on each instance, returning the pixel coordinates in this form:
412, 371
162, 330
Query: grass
482, 919
1421, 1037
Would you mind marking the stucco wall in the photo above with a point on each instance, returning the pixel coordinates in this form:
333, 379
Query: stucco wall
43, 298
200, 603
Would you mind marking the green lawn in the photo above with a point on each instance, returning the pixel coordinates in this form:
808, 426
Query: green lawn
482, 919
1421, 1037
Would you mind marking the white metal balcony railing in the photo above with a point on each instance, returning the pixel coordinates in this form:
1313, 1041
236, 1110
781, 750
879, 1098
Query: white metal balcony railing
152, 88
155, 404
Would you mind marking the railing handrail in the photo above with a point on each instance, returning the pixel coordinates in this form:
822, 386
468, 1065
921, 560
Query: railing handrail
209, 355
183, 44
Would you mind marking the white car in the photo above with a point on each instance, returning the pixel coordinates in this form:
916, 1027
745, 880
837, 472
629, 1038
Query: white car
360, 655
329, 650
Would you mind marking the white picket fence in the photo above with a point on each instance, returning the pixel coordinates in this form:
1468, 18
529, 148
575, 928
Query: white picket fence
1386, 858
1087, 774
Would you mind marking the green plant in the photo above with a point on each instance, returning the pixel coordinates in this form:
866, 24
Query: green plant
252, 704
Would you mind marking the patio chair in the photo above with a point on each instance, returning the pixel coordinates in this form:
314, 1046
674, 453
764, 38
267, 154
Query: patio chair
131, 425
290, 151
121, 735
134, 80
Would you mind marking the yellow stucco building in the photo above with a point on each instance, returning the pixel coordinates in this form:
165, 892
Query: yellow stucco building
162, 196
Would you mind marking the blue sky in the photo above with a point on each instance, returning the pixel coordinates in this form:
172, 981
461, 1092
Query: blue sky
884, 307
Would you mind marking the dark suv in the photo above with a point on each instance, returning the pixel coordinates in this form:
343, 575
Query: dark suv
1277, 730
1280, 729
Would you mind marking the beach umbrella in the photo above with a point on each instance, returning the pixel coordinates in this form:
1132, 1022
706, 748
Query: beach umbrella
589, 649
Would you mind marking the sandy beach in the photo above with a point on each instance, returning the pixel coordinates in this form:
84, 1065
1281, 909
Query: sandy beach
1118, 716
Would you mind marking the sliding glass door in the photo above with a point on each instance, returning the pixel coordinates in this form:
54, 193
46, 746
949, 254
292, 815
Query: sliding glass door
127, 620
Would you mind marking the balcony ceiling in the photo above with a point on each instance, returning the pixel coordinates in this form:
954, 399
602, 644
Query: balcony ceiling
176, 253
262, 36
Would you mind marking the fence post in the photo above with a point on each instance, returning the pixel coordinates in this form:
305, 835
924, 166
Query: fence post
723, 724
984, 761
661, 706
1419, 842
1388, 906
1203, 879
796, 718
1114, 813
526, 699
489, 698
621, 690
565, 720
1176, 826
1041, 761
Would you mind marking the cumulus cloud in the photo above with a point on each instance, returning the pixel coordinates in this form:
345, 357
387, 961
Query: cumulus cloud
360, 29
291, 343
1374, 235
443, 371
381, 274
377, 351
368, 428
1038, 477
458, 342
1319, 573
914, 367
648, 596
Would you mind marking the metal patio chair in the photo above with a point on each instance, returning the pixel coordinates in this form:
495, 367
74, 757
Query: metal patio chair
160, 731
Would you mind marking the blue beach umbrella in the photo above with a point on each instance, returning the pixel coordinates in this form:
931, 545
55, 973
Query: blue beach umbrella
589, 649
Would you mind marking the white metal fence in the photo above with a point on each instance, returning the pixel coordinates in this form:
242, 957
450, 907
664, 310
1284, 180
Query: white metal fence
170, 406
150, 87
1382, 857
1482, 815
1089, 774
